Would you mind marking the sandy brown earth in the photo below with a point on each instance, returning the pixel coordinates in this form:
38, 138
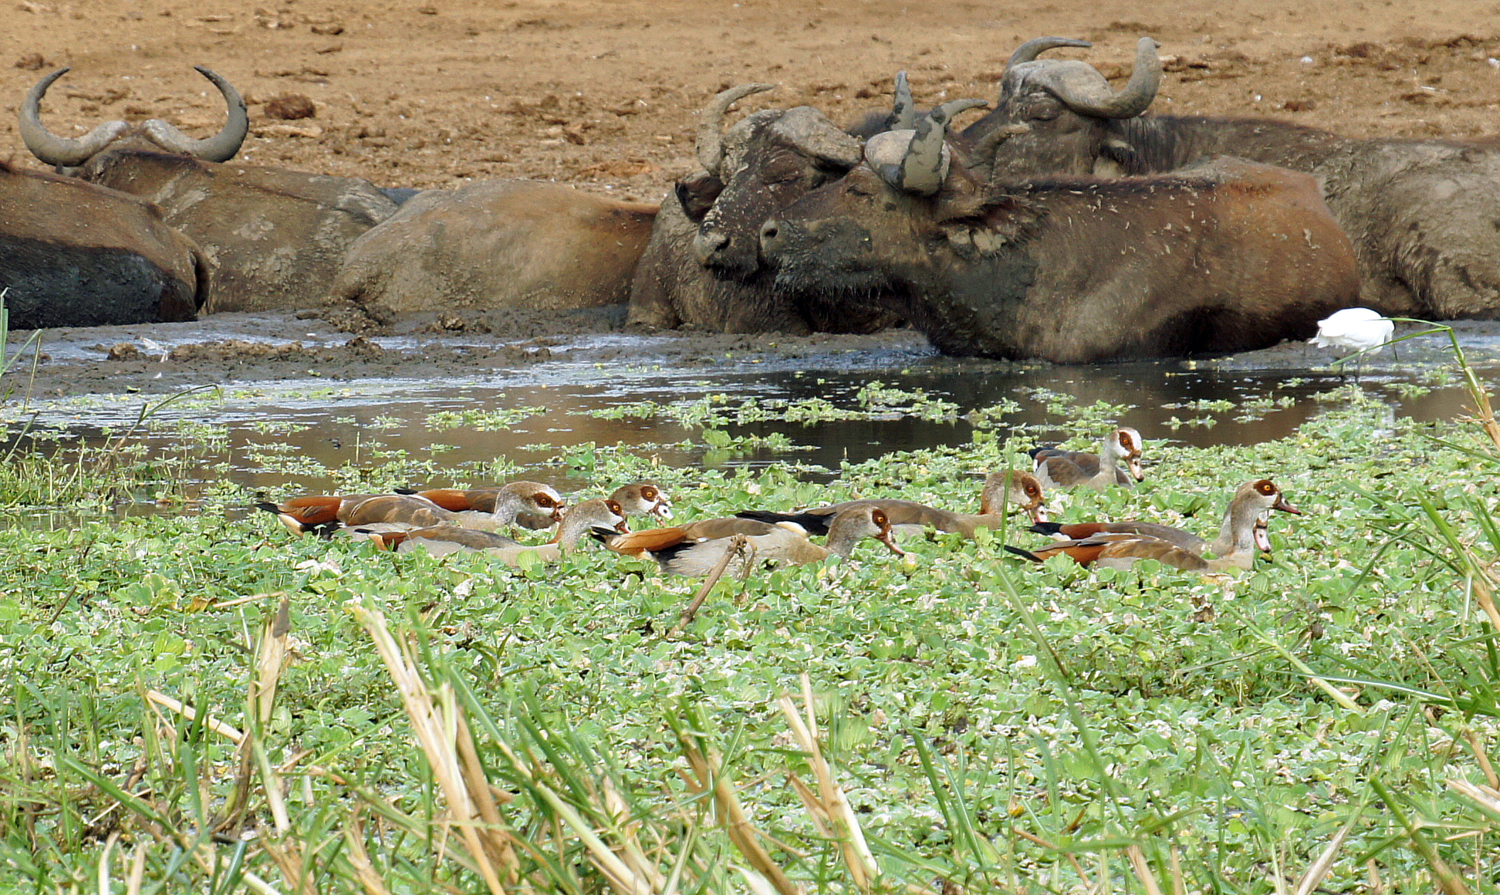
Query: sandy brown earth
603, 95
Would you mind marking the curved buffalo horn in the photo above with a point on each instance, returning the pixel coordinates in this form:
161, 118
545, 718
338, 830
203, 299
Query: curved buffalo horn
64, 152
49, 147
711, 124
1028, 51
924, 167
222, 146
1092, 96
903, 109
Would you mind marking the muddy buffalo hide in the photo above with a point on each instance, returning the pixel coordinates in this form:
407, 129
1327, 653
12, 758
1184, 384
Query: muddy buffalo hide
497, 244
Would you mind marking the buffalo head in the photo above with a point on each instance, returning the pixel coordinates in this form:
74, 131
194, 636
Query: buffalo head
703, 266
66, 153
1053, 114
760, 165
843, 236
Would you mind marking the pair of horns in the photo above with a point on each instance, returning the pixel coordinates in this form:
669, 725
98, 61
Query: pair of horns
65, 152
916, 159
1080, 87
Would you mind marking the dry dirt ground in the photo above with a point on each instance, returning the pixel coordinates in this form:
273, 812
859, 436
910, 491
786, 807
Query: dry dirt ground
603, 95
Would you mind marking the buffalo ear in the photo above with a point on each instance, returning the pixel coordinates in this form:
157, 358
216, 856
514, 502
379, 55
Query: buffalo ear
986, 222
1119, 158
697, 194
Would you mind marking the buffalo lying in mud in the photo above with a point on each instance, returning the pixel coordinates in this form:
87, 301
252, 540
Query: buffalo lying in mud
76, 254
274, 238
500, 244
1228, 257
1422, 213
702, 266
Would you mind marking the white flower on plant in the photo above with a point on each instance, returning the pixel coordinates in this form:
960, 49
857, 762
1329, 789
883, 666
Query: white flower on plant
1026, 662
314, 566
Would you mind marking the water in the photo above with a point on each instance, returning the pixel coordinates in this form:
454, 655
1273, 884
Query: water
359, 423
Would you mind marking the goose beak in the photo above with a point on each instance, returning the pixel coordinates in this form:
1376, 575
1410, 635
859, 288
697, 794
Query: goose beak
885, 537
1135, 469
1285, 507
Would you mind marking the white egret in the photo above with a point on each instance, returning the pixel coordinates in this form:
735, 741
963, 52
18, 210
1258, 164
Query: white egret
1355, 329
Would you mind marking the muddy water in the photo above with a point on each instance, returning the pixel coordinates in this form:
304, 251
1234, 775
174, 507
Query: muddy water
362, 422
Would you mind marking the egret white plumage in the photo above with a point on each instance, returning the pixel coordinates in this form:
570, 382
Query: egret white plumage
1355, 329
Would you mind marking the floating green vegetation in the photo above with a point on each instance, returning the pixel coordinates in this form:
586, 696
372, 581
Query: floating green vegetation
997, 414
482, 420
1197, 422
50, 469
634, 410
205, 703
964, 717
1203, 405
879, 398
872, 401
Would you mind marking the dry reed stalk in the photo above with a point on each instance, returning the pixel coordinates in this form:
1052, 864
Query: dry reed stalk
495, 838
436, 731
708, 776
1484, 414
1471, 736
629, 846
1486, 797
191, 714
738, 546
288, 858
829, 806
1142, 869
137, 870
249, 599
359, 857
1318, 870
1077, 867
1483, 583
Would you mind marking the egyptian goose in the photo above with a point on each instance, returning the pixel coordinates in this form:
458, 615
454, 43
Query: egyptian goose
645, 541
441, 540
1250, 498
643, 499
1242, 525
324, 512
638, 499
530, 504
678, 554
1073, 469
320, 514
1014, 489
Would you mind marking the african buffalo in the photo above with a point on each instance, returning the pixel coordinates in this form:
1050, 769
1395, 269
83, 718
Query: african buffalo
1422, 213
702, 266
502, 244
76, 254
1228, 257
274, 237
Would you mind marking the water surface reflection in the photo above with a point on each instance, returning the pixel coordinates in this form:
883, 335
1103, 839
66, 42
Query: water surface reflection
360, 423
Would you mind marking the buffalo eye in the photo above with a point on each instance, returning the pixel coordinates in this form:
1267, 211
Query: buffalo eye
1044, 107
